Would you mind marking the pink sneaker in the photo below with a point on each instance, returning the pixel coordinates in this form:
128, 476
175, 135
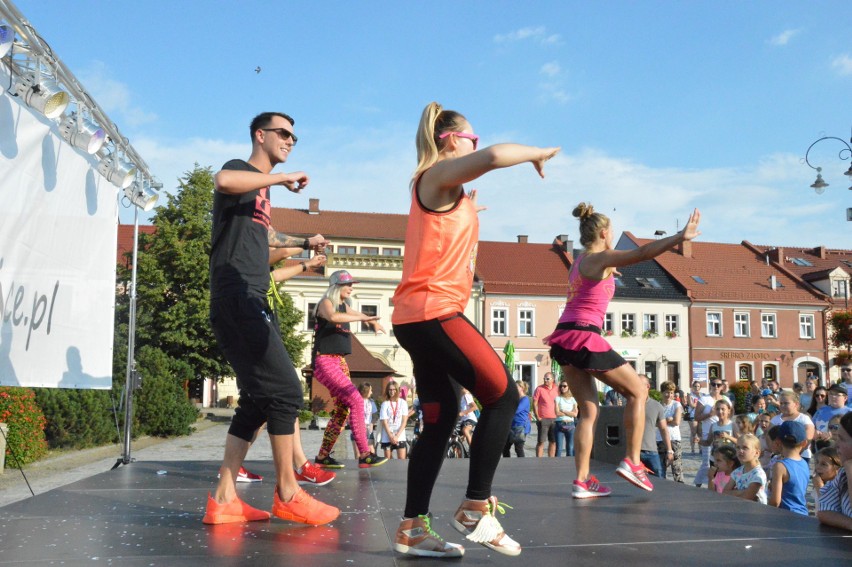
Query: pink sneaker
591, 488
312, 474
245, 476
634, 474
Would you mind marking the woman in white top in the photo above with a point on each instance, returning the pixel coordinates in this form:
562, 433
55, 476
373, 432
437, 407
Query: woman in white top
706, 417
393, 417
789, 404
566, 412
674, 415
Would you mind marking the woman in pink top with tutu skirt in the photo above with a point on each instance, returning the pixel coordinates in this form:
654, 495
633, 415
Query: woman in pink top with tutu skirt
577, 344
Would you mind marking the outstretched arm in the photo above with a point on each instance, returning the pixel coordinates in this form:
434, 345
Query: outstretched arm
237, 181
599, 262
287, 272
449, 174
327, 311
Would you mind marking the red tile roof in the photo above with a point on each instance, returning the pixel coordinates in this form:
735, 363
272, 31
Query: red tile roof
732, 272
823, 260
125, 240
522, 268
338, 224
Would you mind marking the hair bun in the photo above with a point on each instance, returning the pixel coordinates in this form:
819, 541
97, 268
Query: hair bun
583, 211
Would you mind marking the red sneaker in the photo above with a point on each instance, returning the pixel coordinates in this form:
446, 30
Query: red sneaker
245, 476
304, 509
234, 511
312, 474
634, 474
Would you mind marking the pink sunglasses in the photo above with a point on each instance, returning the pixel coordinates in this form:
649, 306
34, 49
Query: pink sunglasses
472, 137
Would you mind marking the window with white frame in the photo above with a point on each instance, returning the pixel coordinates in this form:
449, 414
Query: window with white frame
526, 322
498, 321
839, 288
372, 310
768, 326
714, 324
806, 326
628, 323
369, 250
649, 323
741, 324
391, 251
671, 323
607, 327
345, 249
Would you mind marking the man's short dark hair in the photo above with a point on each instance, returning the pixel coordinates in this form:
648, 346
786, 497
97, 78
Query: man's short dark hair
263, 119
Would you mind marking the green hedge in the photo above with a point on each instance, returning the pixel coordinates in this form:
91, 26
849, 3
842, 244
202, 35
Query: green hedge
78, 419
161, 406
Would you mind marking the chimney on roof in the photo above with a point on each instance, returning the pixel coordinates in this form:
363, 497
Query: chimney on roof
777, 255
522, 238
567, 246
313, 206
685, 248
820, 251
773, 282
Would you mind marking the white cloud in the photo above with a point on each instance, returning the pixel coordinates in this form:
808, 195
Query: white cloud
368, 170
784, 37
538, 34
550, 69
843, 65
114, 97
552, 91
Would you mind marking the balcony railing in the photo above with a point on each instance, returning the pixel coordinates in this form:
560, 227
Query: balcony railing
363, 261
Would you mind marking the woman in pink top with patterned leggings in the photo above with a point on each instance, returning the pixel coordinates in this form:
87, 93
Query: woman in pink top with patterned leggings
577, 344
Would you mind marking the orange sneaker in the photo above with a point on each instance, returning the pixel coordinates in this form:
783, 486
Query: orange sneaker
304, 509
234, 511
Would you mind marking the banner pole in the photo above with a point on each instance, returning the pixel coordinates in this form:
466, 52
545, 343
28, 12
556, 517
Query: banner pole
130, 377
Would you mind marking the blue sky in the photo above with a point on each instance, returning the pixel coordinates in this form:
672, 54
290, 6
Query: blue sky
658, 106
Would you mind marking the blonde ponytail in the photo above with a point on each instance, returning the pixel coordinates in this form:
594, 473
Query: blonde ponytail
433, 122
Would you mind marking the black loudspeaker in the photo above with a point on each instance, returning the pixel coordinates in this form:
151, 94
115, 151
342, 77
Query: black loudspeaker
610, 441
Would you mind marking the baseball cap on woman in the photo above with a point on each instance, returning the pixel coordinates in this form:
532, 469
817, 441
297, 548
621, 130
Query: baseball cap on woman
342, 277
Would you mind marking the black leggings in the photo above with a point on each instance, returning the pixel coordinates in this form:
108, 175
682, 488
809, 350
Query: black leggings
448, 352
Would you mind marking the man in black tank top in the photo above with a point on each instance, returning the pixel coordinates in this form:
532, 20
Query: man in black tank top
247, 329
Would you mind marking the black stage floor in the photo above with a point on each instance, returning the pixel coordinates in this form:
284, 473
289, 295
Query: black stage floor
134, 516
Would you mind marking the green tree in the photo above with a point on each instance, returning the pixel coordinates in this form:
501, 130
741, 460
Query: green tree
840, 325
173, 292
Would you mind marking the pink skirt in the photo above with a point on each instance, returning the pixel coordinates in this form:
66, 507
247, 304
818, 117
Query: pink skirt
583, 347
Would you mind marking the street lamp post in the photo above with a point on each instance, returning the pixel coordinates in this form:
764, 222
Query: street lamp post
845, 153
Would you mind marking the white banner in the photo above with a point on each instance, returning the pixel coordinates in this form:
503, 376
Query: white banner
58, 230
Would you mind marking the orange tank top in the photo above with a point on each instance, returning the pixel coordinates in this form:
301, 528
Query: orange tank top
439, 263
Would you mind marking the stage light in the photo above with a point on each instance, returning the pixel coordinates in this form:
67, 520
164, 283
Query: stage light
42, 95
7, 37
82, 133
117, 172
141, 195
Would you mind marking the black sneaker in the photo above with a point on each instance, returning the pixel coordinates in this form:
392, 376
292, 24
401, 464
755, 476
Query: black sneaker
328, 463
371, 460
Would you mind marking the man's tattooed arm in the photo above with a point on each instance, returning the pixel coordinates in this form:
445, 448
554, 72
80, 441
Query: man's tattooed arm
281, 240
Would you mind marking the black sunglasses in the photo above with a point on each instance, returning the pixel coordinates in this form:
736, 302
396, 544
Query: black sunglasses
284, 133
716, 384
833, 427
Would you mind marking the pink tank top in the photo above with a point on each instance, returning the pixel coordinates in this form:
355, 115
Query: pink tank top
587, 299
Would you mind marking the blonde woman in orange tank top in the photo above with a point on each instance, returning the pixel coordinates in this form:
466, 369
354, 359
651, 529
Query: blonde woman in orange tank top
440, 260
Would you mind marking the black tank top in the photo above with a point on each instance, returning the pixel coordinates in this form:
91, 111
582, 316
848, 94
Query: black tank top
332, 338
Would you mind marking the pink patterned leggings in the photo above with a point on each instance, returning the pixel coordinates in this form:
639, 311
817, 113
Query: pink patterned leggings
332, 372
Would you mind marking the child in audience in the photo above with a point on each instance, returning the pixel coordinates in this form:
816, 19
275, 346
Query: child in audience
789, 485
722, 431
825, 469
748, 481
743, 424
789, 404
724, 462
773, 451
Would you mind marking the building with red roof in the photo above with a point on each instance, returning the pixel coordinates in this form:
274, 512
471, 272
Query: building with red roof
748, 319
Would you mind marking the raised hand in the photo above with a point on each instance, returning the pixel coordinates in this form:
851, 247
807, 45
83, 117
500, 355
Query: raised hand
690, 231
